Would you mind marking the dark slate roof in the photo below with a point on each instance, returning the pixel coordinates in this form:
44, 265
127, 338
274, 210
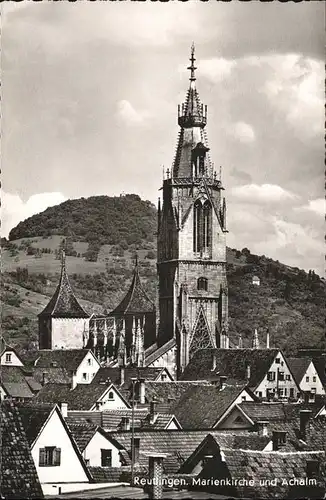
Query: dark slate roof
116, 475
315, 439
18, 477
264, 411
160, 423
180, 444
82, 432
320, 365
153, 353
33, 419
106, 374
136, 300
69, 359
257, 465
53, 375
14, 382
64, 303
232, 363
200, 407
298, 367
170, 392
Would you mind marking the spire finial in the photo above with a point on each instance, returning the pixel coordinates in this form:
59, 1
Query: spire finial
63, 259
192, 66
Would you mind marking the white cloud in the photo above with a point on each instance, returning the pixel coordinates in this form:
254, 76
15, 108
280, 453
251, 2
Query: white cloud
216, 69
128, 114
317, 206
15, 210
265, 193
243, 132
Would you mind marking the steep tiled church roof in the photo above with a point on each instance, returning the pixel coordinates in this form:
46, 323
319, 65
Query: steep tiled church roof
136, 300
64, 303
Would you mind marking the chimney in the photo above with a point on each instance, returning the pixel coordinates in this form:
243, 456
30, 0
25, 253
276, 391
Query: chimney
262, 427
64, 409
122, 375
155, 475
248, 372
279, 439
45, 379
214, 362
304, 423
125, 423
142, 391
222, 382
153, 412
135, 446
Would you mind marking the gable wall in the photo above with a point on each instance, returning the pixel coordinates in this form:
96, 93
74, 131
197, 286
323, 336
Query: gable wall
15, 361
90, 367
285, 384
70, 468
307, 386
116, 403
167, 360
92, 451
243, 396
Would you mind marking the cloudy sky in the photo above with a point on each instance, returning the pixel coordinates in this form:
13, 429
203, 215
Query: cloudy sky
90, 94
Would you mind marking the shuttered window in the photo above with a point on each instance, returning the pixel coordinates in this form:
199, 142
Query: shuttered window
50, 456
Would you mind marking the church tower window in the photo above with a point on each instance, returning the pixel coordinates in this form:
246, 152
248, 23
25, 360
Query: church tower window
202, 284
202, 226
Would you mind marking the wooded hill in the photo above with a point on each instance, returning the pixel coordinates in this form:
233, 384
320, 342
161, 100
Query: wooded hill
101, 235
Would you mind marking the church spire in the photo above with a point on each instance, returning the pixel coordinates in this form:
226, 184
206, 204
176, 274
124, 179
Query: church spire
192, 66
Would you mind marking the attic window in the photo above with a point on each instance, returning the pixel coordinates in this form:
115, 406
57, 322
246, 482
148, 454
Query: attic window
111, 395
89, 361
239, 420
8, 357
202, 284
50, 456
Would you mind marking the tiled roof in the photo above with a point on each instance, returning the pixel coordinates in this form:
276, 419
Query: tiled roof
170, 391
18, 476
200, 407
115, 474
160, 423
136, 300
320, 365
298, 367
69, 359
64, 303
264, 411
113, 374
152, 355
179, 444
14, 382
82, 432
232, 363
53, 375
259, 466
33, 419
82, 397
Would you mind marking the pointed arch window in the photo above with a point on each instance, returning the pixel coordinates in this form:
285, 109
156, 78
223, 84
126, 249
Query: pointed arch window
202, 284
202, 231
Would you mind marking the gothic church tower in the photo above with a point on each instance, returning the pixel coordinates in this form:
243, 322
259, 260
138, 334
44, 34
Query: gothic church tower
191, 261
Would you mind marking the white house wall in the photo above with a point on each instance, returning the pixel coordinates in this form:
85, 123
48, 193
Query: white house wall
286, 385
92, 451
167, 360
311, 373
70, 468
113, 403
87, 369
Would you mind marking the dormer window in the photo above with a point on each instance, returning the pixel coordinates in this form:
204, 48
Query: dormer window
111, 395
8, 357
202, 284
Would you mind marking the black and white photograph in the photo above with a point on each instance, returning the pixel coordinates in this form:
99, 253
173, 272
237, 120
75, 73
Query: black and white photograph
163, 250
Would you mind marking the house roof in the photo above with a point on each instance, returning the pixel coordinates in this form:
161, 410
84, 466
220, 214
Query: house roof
136, 300
179, 444
33, 419
7, 348
200, 407
110, 420
298, 367
170, 392
18, 478
82, 432
82, 397
262, 465
105, 374
152, 353
13, 381
53, 375
320, 365
264, 411
69, 359
232, 363
64, 303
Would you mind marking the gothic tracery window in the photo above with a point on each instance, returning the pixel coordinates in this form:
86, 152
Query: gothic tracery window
201, 338
202, 283
202, 230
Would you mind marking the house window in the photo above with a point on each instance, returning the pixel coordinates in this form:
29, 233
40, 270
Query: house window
87, 461
50, 456
243, 398
280, 392
202, 284
314, 379
260, 394
89, 361
277, 361
163, 377
271, 376
111, 395
281, 376
285, 391
106, 458
307, 379
287, 377
8, 357
291, 392
85, 376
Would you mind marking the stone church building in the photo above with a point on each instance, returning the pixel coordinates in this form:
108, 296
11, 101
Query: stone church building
191, 265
